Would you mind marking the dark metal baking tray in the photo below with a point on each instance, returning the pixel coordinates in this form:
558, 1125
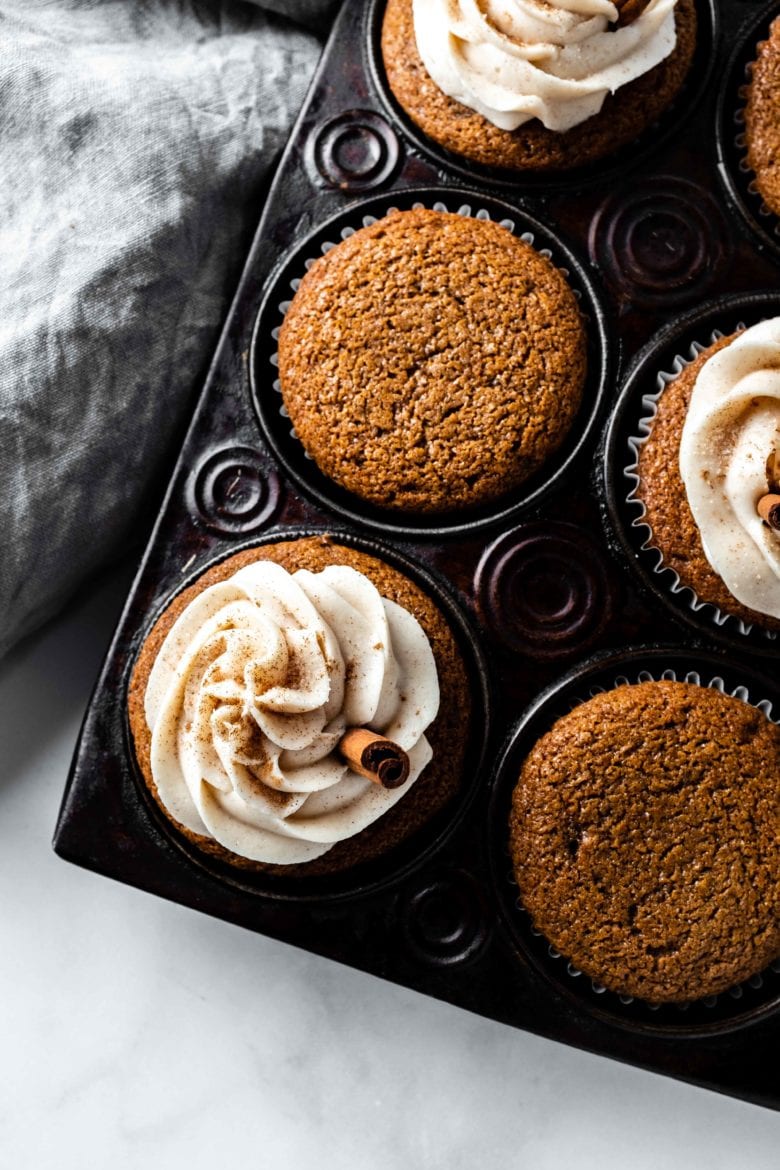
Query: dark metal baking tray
544, 594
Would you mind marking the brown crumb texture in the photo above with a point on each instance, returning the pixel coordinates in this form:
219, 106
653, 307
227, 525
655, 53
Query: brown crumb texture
762, 119
532, 147
662, 491
645, 838
432, 362
439, 783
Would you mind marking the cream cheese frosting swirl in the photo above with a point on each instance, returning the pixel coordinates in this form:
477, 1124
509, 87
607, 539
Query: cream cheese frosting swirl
731, 431
251, 691
555, 60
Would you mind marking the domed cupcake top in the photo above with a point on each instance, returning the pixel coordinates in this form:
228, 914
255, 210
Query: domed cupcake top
644, 839
432, 362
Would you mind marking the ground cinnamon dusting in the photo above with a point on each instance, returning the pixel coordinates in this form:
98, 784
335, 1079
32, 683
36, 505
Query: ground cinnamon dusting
532, 147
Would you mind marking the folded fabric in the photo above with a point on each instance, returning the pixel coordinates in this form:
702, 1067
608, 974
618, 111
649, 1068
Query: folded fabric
134, 139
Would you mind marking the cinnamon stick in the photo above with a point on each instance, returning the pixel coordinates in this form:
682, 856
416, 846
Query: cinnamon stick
773, 471
768, 508
373, 756
628, 11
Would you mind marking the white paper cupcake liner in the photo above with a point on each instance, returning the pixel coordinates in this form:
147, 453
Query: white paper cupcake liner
671, 579
755, 982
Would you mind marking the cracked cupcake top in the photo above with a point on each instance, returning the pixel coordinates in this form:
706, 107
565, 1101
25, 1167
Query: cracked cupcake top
432, 362
645, 842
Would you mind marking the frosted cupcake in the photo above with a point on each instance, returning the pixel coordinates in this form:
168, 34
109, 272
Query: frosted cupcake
709, 475
301, 708
534, 86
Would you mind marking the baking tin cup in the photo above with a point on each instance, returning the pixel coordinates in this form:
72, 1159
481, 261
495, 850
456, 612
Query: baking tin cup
275, 423
731, 1009
398, 863
733, 166
603, 170
629, 428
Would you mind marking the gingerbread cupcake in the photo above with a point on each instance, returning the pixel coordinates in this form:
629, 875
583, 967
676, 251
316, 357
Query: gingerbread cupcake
431, 363
644, 840
532, 86
762, 119
709, 476
301, 708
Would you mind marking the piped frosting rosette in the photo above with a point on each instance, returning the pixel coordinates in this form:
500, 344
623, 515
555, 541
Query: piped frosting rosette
729, 447
514, 60
252, 691
740, 475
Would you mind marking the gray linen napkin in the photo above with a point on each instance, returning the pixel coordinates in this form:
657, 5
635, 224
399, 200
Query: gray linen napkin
134, 140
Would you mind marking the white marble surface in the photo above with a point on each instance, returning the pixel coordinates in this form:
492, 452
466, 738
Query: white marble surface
137, 1034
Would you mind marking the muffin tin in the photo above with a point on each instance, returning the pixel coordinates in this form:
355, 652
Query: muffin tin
548, 591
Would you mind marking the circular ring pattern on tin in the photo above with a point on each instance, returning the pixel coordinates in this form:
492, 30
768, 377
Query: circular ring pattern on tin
233, 491
355, 151
443, 921
664, 241
543, 589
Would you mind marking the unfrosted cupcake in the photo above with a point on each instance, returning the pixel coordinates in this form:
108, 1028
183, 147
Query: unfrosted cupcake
536, 86
762, 119
709, 475
644, 840
301, 708
432, 362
